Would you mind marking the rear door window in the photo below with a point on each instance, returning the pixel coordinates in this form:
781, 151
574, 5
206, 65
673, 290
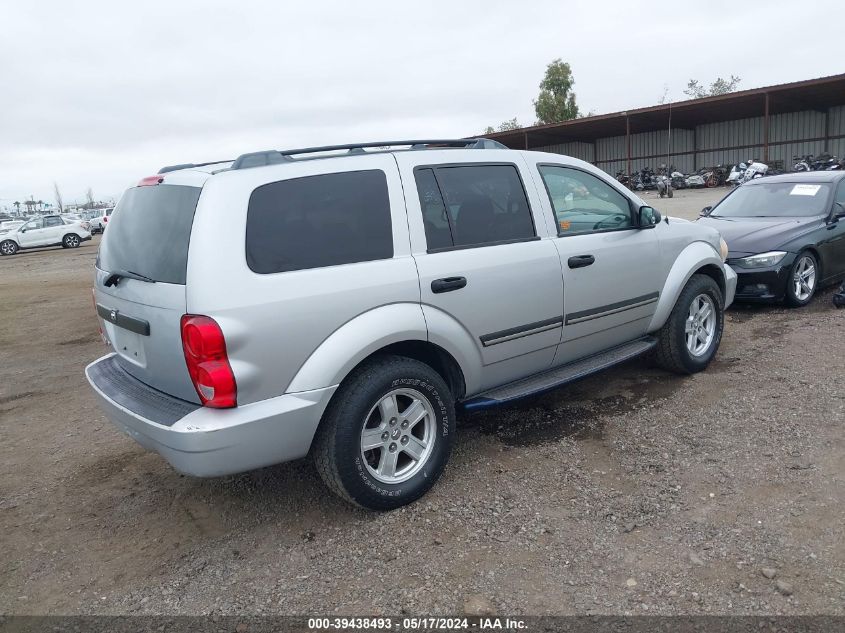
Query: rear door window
473, 205
318, 221
149, 233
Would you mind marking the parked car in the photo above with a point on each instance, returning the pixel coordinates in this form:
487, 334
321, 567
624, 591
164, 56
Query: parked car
785, 234
8, 225
344, 305
99, 221
49, 230
76, 218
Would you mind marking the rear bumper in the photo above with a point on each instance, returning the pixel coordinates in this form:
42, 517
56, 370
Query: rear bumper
206, 442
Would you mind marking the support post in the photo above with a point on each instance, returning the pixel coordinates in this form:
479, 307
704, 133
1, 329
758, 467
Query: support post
525, 134
766, 130
826, 129
628, 142
695, 148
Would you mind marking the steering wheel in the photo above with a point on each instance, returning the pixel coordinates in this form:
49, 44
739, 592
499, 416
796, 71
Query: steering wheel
616, 218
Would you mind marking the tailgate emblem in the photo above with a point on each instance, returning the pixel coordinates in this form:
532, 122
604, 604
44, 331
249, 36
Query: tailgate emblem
113, 316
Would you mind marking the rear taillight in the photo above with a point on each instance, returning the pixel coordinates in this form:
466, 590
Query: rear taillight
151, 180
208, 364
105, 218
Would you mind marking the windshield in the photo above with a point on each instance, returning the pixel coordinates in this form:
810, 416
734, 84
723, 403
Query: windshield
775, 200
149, 233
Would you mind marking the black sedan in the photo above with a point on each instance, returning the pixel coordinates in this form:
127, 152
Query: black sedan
785, 235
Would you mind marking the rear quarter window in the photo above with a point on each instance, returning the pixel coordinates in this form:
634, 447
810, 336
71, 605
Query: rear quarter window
318, 221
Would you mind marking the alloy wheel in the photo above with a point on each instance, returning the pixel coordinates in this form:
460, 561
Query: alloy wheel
398, 436
700, 329
804, 278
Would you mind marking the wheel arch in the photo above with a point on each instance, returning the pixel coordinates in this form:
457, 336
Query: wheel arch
696, 258
398, 329
811, 248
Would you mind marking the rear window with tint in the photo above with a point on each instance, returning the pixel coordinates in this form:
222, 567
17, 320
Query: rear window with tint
319, 221
149, 232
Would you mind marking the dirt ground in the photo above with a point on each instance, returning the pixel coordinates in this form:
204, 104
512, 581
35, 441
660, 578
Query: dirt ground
634, 491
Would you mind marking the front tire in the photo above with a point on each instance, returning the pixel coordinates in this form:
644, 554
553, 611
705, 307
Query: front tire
71, 240
802, 281
689, 339
387, 434
8, 247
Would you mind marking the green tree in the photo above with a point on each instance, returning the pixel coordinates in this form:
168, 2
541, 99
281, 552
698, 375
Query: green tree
556, 101
719, 87
504, 126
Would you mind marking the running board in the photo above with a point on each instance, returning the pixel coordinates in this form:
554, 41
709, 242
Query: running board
557, 376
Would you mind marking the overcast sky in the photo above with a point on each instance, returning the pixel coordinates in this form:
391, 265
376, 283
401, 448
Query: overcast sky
102, 93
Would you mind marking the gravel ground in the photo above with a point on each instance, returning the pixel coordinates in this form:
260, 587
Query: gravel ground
631, 492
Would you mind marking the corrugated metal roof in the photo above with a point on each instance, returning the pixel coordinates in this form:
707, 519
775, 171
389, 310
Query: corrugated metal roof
812, 94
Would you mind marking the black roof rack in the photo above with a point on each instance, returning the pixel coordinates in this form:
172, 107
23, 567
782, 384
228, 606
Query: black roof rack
273, 157
257, 159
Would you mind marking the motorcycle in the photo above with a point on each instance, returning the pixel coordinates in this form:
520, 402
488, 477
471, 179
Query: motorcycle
679, 181
663, 182
695, 181
646, 179
823, 162
802, 163
664, 186
624, 179
755, 169
735, 177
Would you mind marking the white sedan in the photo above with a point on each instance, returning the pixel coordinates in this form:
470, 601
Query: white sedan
49, 230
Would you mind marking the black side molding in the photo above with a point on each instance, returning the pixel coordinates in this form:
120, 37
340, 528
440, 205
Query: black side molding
611, 308
139, 326
502, 336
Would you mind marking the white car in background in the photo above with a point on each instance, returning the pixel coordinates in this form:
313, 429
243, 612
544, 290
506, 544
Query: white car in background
49, 230
98, 223
8, 225
75, 217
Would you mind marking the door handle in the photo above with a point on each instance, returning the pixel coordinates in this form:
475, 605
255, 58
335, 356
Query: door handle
448, 284
579, 261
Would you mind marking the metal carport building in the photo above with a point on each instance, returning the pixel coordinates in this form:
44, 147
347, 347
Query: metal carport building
770, 124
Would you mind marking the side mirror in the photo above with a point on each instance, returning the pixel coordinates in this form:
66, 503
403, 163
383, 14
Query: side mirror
647, 217
838, 211
705, 211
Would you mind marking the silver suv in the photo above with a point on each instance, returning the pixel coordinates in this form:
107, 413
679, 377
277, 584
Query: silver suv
344, 301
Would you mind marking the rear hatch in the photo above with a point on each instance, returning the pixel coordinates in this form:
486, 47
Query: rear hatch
140, 284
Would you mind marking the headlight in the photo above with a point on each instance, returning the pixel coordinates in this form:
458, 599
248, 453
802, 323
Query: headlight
723, 249
763, 260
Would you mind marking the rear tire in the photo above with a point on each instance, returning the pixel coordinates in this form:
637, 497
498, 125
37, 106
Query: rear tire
71, 240
367, 411
8, 247
688, 340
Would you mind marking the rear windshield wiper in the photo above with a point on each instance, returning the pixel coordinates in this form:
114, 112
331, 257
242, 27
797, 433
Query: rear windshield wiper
116, 275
